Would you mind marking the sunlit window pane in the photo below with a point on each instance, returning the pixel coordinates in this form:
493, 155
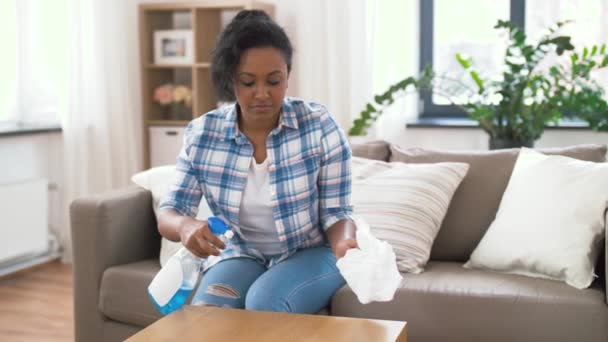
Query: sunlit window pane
587, 29
467, 26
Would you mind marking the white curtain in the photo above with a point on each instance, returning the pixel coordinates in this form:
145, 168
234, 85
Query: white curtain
8, 61
348, 51
333, 53
101, 135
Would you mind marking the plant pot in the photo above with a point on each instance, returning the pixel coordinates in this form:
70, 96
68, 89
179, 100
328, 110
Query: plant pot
179, 111
500, 143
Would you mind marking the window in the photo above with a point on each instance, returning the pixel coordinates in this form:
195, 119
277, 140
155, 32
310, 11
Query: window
34, 60
587, 29
448, 27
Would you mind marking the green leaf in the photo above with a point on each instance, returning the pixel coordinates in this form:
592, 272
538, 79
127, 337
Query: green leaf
379, 99
370, 108
574, 57
504, 24
357, 128
604, 62
464, 62
585, 53
519, 36
603, 49
562, 43
477, 79
593, 50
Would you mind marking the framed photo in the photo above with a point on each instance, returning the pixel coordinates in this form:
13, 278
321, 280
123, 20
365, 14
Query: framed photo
173, 47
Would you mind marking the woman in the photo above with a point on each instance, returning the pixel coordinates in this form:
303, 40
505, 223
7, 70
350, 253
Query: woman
276, 169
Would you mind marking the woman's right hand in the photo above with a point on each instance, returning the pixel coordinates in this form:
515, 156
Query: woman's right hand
198, 239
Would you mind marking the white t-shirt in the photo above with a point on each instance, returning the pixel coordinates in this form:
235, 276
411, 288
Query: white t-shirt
255, 214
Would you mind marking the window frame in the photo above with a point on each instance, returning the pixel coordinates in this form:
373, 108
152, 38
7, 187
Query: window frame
429, 109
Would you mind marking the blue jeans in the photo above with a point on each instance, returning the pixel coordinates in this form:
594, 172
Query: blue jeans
303, 283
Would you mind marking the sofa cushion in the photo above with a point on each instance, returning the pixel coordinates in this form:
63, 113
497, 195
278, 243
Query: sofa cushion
450, 303
123, 295
375, 149
539, 230
476, 201
404, 204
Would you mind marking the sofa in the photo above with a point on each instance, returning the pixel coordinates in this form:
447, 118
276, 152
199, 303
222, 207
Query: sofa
116, 248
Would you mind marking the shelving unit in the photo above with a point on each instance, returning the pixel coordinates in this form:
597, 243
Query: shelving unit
205, 19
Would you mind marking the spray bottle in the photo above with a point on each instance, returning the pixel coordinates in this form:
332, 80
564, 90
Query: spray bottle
174, 283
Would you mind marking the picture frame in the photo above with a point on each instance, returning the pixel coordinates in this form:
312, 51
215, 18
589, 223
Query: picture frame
173, 47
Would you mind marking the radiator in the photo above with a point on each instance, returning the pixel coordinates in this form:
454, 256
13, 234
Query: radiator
24, 232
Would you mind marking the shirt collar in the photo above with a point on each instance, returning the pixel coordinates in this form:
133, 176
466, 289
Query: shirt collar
230, 127
288, 116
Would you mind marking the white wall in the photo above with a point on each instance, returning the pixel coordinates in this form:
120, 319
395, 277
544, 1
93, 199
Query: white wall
35, 156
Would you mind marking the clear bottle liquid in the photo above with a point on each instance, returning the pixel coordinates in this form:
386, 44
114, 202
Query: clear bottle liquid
173, 284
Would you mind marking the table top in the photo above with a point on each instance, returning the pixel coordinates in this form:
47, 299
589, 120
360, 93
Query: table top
205, 323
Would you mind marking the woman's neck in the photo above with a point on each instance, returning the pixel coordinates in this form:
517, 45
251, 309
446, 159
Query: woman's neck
257, 127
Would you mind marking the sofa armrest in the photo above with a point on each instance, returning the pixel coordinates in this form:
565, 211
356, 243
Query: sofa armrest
115, 228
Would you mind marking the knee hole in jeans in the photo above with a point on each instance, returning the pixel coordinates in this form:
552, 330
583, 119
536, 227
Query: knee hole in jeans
222, 290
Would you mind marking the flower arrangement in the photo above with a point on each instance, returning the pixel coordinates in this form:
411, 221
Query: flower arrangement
178, 99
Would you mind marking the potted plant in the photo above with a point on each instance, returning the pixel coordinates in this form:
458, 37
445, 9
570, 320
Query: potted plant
515, 106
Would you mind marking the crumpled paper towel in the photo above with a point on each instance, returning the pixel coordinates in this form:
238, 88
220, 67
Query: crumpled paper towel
370, 270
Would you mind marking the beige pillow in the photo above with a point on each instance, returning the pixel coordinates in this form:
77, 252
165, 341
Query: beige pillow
158, 180
405, 204
550, 220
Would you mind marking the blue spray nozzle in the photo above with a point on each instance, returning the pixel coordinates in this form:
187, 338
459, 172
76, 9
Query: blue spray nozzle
217, 225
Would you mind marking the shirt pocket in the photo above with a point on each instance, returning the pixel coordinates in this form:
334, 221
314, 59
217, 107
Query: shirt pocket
296, 182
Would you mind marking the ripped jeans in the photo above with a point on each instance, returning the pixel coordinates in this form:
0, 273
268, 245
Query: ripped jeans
303, 283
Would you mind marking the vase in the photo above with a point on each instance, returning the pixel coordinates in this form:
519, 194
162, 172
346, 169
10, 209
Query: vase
500, 143
179, 112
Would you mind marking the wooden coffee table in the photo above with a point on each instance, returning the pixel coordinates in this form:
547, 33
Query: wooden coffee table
203, 323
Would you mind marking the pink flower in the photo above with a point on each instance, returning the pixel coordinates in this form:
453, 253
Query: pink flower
164, 94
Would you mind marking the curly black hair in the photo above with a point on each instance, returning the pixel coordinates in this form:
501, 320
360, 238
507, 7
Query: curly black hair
249, 29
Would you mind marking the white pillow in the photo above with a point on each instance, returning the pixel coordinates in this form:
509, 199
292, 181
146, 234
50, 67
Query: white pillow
158, 180
550, 220
405, 204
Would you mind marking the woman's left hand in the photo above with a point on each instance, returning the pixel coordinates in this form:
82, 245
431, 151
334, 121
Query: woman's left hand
344, 245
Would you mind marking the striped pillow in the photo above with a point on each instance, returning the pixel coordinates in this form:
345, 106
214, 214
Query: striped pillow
404, 204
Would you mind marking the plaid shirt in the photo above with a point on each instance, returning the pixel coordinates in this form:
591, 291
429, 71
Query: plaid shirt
309, 175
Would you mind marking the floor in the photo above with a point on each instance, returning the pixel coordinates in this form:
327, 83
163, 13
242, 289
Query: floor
36, 304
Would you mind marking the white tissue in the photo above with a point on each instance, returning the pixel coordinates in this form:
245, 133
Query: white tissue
371, 270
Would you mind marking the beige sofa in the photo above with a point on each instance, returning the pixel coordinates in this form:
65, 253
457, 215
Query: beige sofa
116, 248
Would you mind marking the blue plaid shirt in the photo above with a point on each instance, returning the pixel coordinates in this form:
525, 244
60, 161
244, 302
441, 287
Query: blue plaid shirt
309, 175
